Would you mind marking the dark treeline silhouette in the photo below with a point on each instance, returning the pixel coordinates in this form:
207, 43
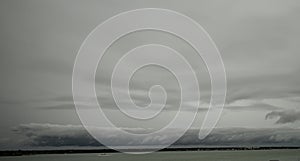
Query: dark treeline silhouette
74, 151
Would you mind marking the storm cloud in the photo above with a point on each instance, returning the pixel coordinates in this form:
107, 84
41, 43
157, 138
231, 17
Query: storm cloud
287, 116
258, 41
40, 135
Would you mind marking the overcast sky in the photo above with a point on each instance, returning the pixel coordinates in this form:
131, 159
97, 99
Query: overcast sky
258, 41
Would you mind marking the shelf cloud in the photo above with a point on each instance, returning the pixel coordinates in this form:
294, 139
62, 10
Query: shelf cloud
52, 135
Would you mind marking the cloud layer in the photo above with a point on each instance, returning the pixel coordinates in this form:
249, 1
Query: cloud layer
287, 116
51, 135
258, 40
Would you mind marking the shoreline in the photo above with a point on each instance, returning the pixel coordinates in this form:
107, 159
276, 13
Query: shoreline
86, 151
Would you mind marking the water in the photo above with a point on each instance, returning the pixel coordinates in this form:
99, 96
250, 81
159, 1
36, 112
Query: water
263, 155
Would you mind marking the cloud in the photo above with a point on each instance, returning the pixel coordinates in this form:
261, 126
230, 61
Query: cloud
245, 137
54, 135
258, 42
66, 103
40, 135
287, 116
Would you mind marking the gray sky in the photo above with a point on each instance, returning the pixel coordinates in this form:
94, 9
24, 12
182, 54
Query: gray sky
258, 41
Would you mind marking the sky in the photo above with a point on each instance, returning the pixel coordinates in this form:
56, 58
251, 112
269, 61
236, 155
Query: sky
258, 42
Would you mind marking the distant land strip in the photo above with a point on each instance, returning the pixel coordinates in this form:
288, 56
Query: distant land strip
103, 151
